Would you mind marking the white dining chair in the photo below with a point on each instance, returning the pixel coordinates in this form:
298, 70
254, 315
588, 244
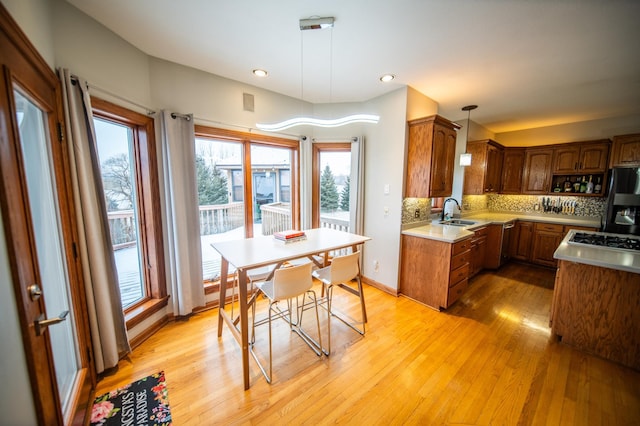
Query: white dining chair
341, 273
287, 284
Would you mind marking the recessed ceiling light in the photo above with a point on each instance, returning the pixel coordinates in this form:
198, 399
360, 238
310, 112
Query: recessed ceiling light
387, 78
260, 73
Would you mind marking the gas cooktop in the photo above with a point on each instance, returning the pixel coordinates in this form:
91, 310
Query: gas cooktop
611, 241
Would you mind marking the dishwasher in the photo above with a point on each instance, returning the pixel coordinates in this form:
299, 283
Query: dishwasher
506, 239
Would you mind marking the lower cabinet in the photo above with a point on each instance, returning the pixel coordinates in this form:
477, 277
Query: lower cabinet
546, 239
433, 272
536, 242
494, 247
478, 250
521, 241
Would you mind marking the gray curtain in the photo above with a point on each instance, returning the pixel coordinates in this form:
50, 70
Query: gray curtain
180, 216
356, 201
106, 318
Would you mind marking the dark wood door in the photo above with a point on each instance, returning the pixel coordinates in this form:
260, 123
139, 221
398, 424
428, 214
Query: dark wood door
625, 151
512, 169
494, 169
30, 113
594, 158
544, 245
537, 171
443, 151
521, 240
566, 159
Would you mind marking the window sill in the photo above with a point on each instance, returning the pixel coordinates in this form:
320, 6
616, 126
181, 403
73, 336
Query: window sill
144, 311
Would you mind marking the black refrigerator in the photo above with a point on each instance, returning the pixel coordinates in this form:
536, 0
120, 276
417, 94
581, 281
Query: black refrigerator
622, 215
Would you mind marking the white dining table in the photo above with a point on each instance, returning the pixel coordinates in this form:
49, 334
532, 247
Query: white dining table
251, 253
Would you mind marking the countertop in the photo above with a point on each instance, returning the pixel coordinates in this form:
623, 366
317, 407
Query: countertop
452, 234
598, 256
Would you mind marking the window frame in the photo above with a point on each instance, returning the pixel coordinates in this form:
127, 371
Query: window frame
316, 171
148, 204
247, 140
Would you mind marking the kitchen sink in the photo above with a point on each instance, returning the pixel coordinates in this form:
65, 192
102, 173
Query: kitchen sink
457, 222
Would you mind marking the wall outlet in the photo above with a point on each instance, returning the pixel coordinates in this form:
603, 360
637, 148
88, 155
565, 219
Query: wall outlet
376, 266
416, 214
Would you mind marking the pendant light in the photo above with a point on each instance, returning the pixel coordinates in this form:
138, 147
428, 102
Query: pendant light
465, 159
317, 24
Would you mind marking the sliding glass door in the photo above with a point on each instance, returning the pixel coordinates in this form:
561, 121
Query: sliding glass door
246, 188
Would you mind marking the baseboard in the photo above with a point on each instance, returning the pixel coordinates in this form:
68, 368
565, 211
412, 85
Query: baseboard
380, 286
148, 332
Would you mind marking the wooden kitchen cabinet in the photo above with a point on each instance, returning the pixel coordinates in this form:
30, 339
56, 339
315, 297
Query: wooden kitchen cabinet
512, 169
625, 151
494, 247
521, 240
484, 174
595, 310
581, 157
478, 250
536, 178
546, 239
430, 157
433, 272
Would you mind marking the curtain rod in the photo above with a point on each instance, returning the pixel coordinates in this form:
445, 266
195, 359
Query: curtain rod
178, 115
150, 111
245, 128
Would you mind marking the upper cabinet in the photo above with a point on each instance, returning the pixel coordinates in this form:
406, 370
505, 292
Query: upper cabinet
430, 157
625, 151
537, 171
512, 168
484, 174
581, 157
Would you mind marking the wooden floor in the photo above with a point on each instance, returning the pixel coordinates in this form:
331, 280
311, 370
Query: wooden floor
489, 359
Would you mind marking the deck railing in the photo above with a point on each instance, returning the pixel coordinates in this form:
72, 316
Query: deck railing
214, 219
276, 217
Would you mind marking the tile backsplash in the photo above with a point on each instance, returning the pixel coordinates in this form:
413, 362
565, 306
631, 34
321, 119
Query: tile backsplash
585, 206
412, 205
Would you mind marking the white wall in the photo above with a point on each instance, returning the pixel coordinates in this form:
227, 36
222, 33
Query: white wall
33, 17
98, 55
217, 101
385, 146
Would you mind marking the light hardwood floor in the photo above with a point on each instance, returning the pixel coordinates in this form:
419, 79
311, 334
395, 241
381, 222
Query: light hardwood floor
489, 359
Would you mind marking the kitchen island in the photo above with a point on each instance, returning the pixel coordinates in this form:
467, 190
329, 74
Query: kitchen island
438, 259
596, 300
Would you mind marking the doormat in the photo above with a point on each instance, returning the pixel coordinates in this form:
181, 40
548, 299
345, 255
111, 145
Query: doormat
144, 402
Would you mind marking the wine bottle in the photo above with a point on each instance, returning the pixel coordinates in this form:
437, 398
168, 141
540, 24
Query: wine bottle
590, 185
583, 184
568, 187
598, 187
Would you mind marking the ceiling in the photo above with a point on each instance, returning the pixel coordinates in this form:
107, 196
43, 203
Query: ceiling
525, 63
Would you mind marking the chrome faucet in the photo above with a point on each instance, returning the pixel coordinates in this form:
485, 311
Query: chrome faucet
445, 205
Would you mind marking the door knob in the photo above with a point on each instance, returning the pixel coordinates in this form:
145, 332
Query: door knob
34, 292
41, 324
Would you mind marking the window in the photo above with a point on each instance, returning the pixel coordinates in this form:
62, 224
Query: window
256, 177
128, 165
331, 185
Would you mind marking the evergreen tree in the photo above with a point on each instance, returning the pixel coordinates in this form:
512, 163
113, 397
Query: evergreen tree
344, 195
328, 191
212, 184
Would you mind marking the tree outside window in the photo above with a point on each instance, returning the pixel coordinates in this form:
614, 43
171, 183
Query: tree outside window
329, 198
